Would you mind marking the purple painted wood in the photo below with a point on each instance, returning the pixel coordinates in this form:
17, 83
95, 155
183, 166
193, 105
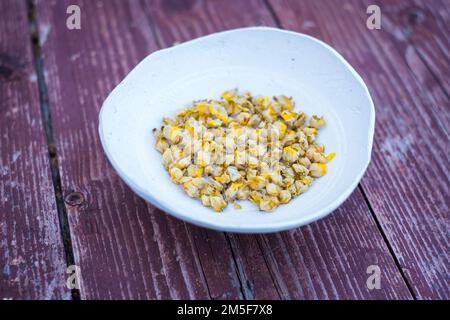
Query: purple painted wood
419, 30
424, 26
128, 249
124, 247
32, 263
407, 182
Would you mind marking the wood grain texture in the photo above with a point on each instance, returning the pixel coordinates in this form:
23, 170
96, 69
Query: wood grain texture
125, 248
324, 260
407, 181
424, 26
32, 262
128, 249
317, 268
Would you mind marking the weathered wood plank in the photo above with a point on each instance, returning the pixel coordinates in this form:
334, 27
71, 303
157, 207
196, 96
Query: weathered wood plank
424, 26
32, 262
128, 249
407, 182
124, 247
324, 260
305, 263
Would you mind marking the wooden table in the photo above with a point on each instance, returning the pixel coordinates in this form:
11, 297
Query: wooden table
62, 204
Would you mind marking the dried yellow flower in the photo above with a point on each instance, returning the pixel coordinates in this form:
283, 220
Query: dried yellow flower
242, 147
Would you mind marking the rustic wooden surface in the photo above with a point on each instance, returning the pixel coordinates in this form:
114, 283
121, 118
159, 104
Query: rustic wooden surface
414, 215
126, 249
32, 262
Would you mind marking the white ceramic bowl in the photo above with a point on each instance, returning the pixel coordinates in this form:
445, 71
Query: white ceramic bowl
265, 61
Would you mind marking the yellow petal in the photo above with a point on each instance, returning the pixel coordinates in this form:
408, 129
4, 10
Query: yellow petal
330, 156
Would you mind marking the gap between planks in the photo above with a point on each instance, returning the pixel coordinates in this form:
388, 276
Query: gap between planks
52, 151
54, 164
245, 292
372, 212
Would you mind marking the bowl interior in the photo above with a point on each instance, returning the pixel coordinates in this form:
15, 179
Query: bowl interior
265, 61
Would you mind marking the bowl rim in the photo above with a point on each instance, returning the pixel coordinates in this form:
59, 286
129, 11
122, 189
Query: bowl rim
274, 227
